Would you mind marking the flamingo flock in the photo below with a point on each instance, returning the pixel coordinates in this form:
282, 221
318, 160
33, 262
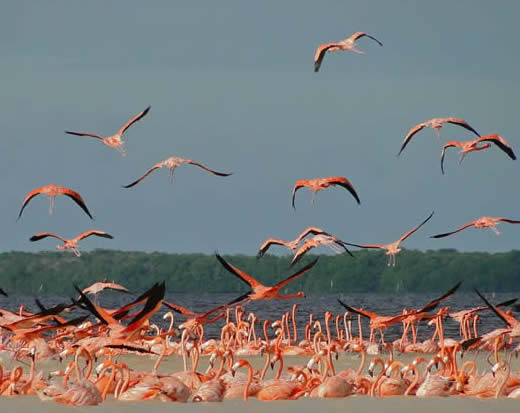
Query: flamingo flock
98, 335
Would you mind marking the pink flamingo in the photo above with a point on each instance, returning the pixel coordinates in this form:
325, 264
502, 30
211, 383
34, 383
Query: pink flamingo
291, 245
393, 248
52, 191
335, 244
482, 222
70, 243
171, 163
318, 184
471, 146
436, 124
348, 44
114, 141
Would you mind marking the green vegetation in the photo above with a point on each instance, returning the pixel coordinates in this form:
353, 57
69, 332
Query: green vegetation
416, 271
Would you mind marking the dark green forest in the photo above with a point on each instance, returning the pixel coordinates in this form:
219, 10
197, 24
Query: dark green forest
416, 271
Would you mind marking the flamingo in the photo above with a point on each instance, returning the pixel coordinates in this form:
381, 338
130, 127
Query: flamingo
348, 44
52, 191
436, 124
393, 248
321, 239
262, 292
104, 285
318, 184
115, 141
71, 243
482, 222
291, 245
171, 163
471, 146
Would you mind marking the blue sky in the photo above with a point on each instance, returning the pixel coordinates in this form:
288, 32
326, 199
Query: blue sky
232, 86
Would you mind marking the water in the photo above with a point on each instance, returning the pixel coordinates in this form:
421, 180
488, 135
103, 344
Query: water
383, 304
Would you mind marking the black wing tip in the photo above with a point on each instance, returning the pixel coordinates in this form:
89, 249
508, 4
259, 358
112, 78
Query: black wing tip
34, 238
147, 110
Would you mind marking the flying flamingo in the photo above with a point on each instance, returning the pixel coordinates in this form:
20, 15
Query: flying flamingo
104, 285
482, 222
52, 191
393, 248
330, 241
348, 44
436, 124
171, 163
70, 243
292, 245
262, 292
114, 141
471, 146
318, 184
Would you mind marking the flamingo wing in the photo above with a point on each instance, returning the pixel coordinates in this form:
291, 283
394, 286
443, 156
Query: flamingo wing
299, 184
499, 313
358, 35
409, 136
207, 169
406, 235
29, 196
344, 245
434, 303
148, 172
301, 252
77, 199
93, 232
450, 144
3, 292
345, 183
133, 120
40, 235
213, 310
310, 230
320, 54
299, 273
382, 246
93, 135
359, 311
267, 243
240, 274
463, 123
179, 309
509, 221
469, 224
500, 142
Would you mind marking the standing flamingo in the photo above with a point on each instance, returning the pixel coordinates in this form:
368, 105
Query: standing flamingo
436, 124
70, 243
471, 146
114, 141
482, 222
321, 239
52, 191
393, 248
171, 163
262, 292
318, 184
348, 44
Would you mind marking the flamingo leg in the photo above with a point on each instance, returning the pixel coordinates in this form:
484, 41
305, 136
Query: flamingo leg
76, 252
357, 51
313, 197
51, 204
462, 155
438, 133
171, 175
121, 150
495, 230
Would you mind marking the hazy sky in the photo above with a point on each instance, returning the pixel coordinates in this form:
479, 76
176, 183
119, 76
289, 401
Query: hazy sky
231, 85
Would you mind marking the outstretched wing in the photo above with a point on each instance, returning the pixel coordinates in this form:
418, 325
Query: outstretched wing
305, 269
301, 252
359, 311
310, 230
77, 199
239, 273
409, 136
299, 184
406, 235
509, 221
93, 135
434, 303
345, 183
358, 35
343, 245
463, 123
499, 313
133, 120
40, 235
320, 54
93, 232
365, 245
207, 169
500, 142
267, 243
29, 196
148, 172
178, 309
469, 224
450, 144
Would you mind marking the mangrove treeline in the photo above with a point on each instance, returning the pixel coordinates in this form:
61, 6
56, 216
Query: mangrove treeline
416, 271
